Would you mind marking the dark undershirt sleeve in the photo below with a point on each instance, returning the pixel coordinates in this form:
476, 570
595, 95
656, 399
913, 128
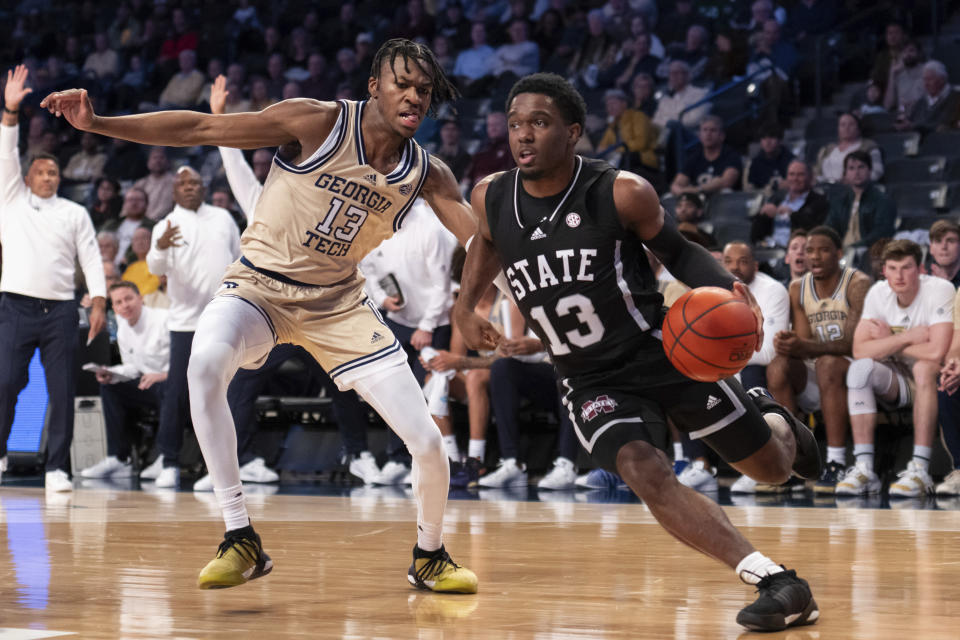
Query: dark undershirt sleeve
689, 263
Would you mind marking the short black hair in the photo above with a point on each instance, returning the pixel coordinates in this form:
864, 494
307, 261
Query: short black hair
43, 155
422, 56
568, 100
861, 155
827, 232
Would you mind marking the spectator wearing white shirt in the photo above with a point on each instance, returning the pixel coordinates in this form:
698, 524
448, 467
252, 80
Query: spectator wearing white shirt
138, 383
192, 247
42, 236
902, 337
417, 259
772, 297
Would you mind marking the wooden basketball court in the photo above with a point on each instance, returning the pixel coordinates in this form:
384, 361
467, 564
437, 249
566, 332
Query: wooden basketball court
106, 563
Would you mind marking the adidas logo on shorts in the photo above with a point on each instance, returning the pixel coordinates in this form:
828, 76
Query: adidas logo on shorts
712, 401
377, 337
537, 234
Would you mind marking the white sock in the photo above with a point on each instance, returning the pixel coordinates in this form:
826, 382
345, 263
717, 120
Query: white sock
233, 506
395, 395
864, 453
756, 566
678, 451
837, 454
921, 455
477, 449
450, 444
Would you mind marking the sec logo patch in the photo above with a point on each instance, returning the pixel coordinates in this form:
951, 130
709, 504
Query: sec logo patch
573, 220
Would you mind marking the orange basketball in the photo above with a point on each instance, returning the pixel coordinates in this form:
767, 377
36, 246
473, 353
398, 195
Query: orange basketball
709, 334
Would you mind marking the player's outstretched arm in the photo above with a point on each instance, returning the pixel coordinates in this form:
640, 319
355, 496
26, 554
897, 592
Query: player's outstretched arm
639, 210
442, 193
479, 270
299, 119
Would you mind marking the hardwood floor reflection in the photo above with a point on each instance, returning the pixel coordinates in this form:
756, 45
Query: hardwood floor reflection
123, 564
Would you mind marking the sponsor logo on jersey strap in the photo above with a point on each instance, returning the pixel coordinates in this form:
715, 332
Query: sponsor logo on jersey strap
371, 178
377, 337
592, 408
573, 220
712, 401
538, 234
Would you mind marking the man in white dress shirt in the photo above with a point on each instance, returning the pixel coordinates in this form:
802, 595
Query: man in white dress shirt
144, 341
192, 246
43, 236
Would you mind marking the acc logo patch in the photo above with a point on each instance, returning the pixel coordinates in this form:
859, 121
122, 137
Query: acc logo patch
573, 220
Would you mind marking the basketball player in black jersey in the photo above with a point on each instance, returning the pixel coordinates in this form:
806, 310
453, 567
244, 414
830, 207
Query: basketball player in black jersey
567, 232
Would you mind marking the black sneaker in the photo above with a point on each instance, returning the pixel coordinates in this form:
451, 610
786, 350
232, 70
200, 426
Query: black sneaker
240, 558
436, 571
831, 475
807, 462
784, 601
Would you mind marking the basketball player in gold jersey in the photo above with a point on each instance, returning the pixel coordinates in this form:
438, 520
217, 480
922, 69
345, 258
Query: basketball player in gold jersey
345, 176
810, 368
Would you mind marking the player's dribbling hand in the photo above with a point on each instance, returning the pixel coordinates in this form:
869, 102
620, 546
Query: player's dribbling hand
72, 104
741, 291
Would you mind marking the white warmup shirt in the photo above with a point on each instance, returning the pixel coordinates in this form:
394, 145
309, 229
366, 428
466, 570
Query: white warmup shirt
243, 182
774, 301
42, 238
419, 258
209, 242
145, 346
933, 305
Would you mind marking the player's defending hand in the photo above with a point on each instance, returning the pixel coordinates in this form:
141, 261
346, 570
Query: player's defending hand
15, 91
477, 332
218, 95
72, 104
741, 291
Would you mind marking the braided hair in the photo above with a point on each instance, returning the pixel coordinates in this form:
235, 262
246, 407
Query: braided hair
443, 90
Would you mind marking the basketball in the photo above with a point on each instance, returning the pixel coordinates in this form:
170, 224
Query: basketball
709, 334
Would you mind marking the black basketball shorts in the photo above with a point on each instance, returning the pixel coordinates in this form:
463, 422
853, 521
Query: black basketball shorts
631, 402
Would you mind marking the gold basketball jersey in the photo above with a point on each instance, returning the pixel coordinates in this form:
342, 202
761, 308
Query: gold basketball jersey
315, 221
827, 316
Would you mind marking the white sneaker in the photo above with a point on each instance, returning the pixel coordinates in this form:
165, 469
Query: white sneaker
699, 477
858, 481
949, 487
562, 477
169, 478
507, 474
204, 484
407, 480
744, 484
392, 473
151, 472
257, 471
57, 480
109, 467
912, 482
3, 466
364, 466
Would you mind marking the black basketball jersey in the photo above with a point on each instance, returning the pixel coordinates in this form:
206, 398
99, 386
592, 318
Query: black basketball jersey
580, 278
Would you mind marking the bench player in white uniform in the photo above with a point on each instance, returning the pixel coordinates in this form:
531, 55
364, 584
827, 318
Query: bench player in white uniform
810, 369
343, 180
901, 340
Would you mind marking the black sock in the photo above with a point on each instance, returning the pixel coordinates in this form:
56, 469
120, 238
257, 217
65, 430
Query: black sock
242, 532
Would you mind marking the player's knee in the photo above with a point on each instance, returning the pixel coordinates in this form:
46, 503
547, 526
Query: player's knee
859, 373
646, 470
778, 371
427, 441
925, 373
831, 370
206, 368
